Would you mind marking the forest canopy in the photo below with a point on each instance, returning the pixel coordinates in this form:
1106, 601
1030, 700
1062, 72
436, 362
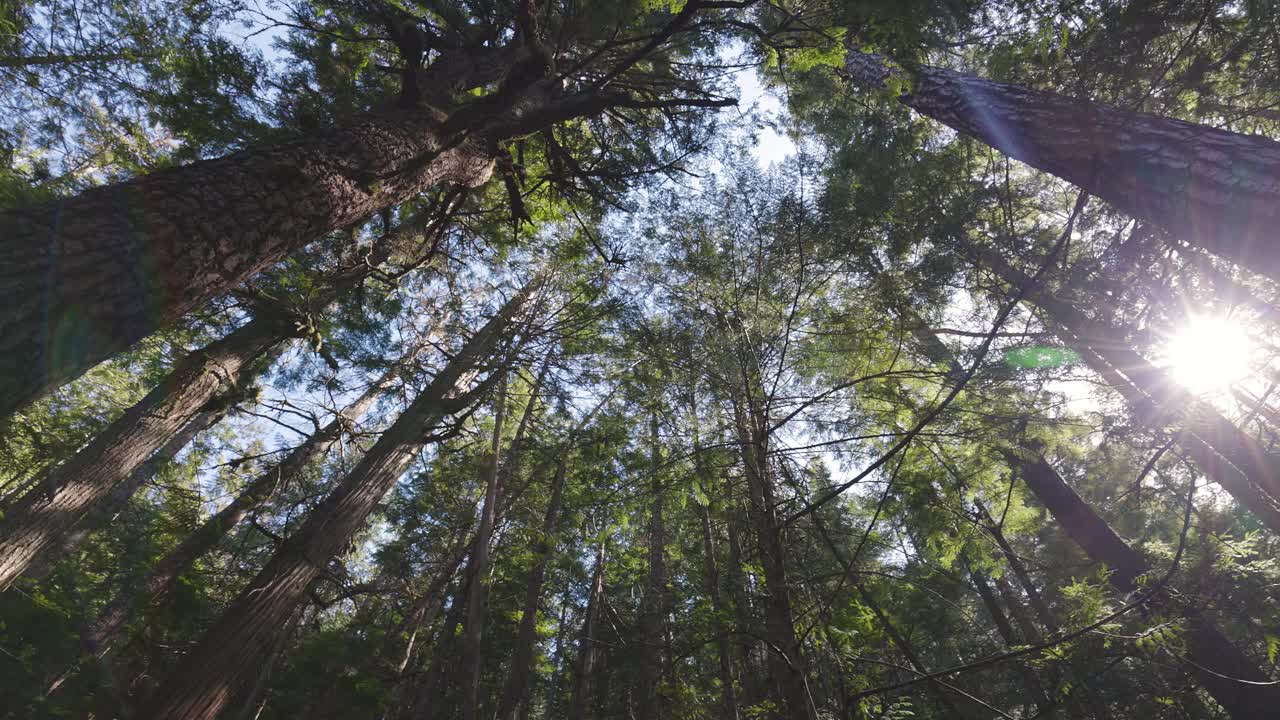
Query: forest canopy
640, 359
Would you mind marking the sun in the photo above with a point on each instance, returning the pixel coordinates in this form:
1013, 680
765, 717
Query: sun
1209, 354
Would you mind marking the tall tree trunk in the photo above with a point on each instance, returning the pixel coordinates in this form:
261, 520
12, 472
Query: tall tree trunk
478, 591
38, 522
202, 683
85, 277
724, 650
41, 519
785, 656
742, 613
1216, 662
1225, 453
515, 696
118, 500
431, 702
1045, 615
583, 698
1044, 704
653, 612
155, 589
1219, 188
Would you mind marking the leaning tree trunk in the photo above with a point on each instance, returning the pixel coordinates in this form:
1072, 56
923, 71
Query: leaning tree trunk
936, 688
1221, 189
38, 522
222, 661
115, 503
87, 479
155, 589
1215, 661
478, 570
1225, 453
85, 277
1044, 704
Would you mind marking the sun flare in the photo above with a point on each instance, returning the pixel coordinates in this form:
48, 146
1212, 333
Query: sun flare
1209, 354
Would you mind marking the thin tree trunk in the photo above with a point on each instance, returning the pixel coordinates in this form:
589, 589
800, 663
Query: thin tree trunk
118, 500
1044, 704
653, 611
1046, 616
431, 701
515, 696
37, 523
1219, 188
724, 650
583, 698
936, 689
1225, 453
478, 592
742, 614
786, 657
1215, 661
221, 662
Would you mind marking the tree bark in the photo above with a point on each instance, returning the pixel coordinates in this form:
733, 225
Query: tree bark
478, 590
206, 678
155, 589
515, 696
1215, 660
38, 522
785, 656
1220, 189
86, 480
116, 502
85, 277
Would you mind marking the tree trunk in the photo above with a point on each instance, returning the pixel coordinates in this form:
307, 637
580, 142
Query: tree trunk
478, 591
583, 698
38, 522
116, 502
515, 696
1219, 188
1044, 704
724, 652
85, 277
155, 589
431, 700
221, 662
785, 656
1224, 453
653, 612
1215, 661
742, 614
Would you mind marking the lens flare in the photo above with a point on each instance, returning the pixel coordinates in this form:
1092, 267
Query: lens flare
1209, 354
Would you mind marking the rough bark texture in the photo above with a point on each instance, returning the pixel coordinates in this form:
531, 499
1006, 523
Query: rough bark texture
1215, 659
221, 663
163, 578
478, 571
116, 502
1225, 453
515, 696
1219, 189
39, 520
85, 277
